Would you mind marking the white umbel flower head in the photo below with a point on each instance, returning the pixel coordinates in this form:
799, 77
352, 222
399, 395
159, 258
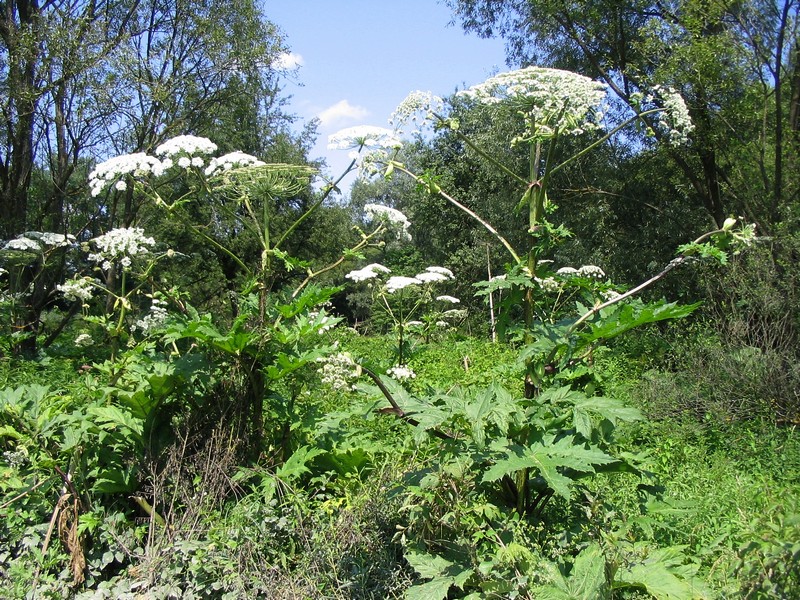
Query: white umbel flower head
416, 112
339, 371
428, 277
450, 299
363, 136
119, 244
186, 145
397, 221
398, 282
110, 172
77, 289
232, 160
401, 373
368, 272
676, 121
591, 271
554, 102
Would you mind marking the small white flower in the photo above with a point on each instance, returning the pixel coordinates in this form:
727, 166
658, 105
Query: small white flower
449, 299
567, 271
184, 162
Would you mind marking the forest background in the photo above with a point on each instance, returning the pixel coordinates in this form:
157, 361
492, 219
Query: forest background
169, 423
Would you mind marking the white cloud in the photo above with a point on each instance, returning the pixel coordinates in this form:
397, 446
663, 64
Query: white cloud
341, 113
288, 61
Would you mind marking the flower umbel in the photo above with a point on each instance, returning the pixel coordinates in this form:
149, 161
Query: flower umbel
120, 244
553, 102
363, 136
396, 220
415, 113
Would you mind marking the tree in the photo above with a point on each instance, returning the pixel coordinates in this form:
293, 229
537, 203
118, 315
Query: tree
81, 80
714, 53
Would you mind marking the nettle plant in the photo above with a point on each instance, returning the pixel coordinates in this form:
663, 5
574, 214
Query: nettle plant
496, 449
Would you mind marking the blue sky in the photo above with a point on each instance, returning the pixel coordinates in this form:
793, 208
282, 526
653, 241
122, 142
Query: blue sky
358, 59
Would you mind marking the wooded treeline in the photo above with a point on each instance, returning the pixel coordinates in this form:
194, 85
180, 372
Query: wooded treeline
82, 81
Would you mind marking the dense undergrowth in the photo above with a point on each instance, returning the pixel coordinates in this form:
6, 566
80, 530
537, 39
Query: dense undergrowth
360, 505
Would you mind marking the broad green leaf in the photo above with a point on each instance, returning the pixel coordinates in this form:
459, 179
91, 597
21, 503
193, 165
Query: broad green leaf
296, 465
608, 408
547, 458
427, 565
621, 318
588, 576
112, 417
436, 589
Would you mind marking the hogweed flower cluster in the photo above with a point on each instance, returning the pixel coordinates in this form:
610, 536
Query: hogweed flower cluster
83, 340
184, 151
363, 136
120, 245
232, 160
553, 102
339, 371
79, 289
115, 170
186, 145
397, 222
415, 113
154, 319
38, 241
674, 121
401, 373
400, 282
368, 272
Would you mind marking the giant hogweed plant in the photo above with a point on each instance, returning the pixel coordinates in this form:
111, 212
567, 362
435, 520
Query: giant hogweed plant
524, 451
276, 332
